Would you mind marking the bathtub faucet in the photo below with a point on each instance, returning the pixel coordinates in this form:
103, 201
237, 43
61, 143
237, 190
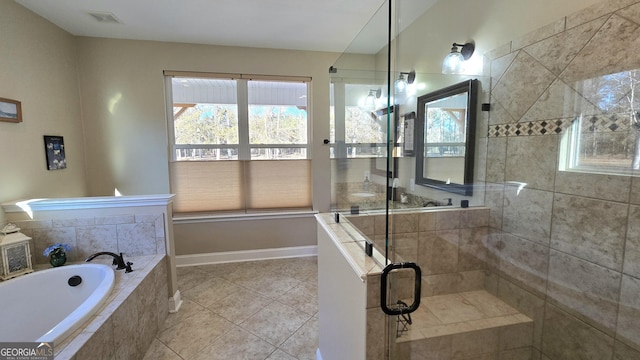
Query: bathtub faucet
117, 260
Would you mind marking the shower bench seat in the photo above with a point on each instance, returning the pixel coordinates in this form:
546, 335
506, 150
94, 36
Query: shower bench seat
464, 325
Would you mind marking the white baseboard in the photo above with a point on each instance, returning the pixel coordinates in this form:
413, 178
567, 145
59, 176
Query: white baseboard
175, 302
247, 255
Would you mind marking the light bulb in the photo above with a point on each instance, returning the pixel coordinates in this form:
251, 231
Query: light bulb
400, 85
452, 63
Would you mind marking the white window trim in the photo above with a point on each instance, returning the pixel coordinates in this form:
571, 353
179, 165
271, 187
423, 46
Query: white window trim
244, 147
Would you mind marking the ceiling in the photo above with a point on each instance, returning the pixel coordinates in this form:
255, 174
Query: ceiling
316, 25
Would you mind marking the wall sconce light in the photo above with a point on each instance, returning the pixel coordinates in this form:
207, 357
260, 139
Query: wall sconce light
400, 85
15, 256
452, 63
370, 100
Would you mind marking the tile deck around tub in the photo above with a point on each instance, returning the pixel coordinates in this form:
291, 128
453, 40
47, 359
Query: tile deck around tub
466, 324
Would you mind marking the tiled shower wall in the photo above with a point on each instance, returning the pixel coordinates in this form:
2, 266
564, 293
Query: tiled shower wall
448, 245
567, 243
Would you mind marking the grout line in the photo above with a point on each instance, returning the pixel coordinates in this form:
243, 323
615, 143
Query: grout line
270, 300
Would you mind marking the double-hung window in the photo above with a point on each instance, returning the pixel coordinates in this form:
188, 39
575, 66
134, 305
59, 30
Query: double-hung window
360, 130
238, 142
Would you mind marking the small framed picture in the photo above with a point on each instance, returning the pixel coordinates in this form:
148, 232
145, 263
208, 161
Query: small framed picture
54, 148
10, 110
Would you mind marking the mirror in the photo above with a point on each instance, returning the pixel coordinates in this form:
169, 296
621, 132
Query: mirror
379, 163
445, 133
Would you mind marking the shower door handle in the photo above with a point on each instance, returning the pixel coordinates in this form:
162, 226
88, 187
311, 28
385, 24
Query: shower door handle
400, 308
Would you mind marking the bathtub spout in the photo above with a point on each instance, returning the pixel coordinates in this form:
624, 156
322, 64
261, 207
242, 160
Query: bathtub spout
117, 260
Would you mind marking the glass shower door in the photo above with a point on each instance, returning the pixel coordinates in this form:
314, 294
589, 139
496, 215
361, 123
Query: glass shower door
367, 126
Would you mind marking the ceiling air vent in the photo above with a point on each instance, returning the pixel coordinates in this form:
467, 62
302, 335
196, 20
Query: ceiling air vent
105, 17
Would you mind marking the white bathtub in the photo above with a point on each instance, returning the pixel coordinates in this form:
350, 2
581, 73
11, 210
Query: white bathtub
43, 307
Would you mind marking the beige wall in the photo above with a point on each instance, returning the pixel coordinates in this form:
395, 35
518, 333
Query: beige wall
123, 105
38, 67
243, 235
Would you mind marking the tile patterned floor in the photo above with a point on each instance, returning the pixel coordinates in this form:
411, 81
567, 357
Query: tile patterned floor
263, 310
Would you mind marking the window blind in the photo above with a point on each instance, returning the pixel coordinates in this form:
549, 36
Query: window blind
278, 184
240, 185
207, 185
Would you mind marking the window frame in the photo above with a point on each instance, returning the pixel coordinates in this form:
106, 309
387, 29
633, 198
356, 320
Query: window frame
244, 145
569, 154
206, 190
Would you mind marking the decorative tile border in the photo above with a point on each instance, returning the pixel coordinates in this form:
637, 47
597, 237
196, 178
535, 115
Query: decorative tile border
595, 123
602, 123
531, 128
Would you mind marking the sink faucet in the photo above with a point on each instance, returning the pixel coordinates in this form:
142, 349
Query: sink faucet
117, 260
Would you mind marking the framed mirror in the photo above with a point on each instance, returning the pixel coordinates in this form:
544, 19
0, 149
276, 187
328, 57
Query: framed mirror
445, 137
406, 133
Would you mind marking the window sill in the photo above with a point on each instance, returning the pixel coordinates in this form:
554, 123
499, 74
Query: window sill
186, 218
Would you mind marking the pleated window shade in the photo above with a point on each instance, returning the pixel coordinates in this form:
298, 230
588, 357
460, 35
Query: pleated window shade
278, 184
206, 186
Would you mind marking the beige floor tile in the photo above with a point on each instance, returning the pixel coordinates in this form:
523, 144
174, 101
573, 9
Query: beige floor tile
269, 285
304, 342
297, 268
159, 351
246, 270
210, 291
313, 279
237, 344
280, 355
195, 333
187, 310
273, 301
189, 277
303, 297
240, 305
276, 322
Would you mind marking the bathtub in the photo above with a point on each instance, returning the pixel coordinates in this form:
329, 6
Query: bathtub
44, 306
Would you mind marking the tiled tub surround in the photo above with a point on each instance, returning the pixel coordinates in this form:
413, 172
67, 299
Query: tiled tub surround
138, 226
132, 234
132, 225
457, 317
567, 244
130, 319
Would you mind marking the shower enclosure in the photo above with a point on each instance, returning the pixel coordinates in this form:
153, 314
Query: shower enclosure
510, 195
406, 156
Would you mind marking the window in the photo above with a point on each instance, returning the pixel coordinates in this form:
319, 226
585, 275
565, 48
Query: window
363, 131
239, 142
603, 137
